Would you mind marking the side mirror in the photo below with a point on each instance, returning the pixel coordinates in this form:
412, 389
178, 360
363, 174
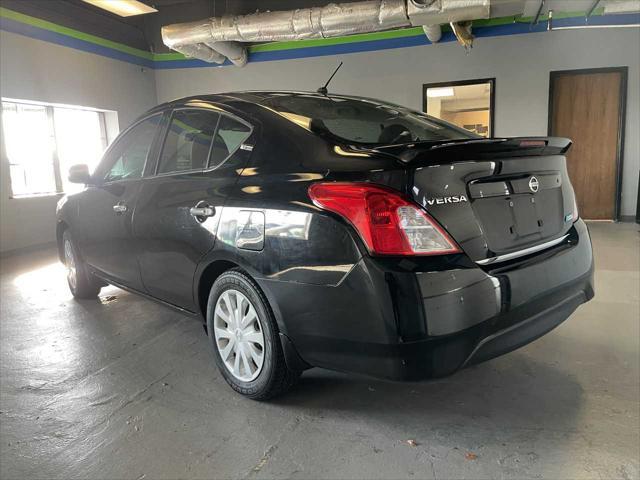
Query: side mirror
79, 174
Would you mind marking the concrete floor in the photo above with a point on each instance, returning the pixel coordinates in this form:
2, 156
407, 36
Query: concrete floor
124, 388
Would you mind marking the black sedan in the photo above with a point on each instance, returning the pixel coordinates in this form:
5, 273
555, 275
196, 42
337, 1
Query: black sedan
332, 231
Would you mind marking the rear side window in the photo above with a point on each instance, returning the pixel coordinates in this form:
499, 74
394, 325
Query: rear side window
127, 158
188, 141
230, 135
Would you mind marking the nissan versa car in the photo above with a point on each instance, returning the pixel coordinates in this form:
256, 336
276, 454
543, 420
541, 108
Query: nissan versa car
320, 230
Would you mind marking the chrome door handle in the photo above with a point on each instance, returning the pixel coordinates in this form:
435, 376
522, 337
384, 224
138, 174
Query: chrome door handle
207, 211
119, 208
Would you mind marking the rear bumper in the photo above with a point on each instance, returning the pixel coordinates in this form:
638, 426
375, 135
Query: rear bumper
526, 331
409, 325
437, 357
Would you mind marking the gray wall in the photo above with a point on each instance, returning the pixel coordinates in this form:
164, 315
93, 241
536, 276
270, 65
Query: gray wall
521, 65
35, 70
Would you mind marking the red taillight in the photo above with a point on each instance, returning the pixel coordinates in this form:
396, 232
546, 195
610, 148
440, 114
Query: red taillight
388, 223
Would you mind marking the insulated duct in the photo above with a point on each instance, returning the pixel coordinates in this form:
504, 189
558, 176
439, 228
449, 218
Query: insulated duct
437, 12
433, 32
305, 23
215, 52
206, 39
201, 52
234, 51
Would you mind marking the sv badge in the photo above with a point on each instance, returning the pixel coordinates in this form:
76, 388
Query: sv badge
443, 200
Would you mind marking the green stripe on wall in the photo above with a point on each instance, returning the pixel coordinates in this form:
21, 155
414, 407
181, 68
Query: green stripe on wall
162, 57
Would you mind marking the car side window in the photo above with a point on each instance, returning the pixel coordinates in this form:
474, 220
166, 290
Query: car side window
127, 158
188, 141
229, 136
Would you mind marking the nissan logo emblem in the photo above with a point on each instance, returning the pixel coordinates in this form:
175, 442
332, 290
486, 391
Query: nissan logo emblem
534, 185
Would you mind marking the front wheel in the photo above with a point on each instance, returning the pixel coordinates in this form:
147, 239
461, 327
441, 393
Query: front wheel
245, 340
81, 283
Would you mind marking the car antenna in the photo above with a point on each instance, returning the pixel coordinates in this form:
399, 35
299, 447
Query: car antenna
323, 90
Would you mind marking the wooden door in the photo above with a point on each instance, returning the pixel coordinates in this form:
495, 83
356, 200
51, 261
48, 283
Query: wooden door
585, 106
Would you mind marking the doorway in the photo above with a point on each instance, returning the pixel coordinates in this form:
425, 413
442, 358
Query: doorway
588, 106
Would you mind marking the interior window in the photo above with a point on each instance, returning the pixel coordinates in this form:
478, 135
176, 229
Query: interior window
29, 147
129, 154
230, 135
188, 141
467, 104
36, 134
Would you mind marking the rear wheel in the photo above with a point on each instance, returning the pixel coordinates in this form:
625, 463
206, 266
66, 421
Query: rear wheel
245, 339
81, 283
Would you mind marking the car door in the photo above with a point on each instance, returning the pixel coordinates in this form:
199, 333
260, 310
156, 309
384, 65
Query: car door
107, 205
179, 208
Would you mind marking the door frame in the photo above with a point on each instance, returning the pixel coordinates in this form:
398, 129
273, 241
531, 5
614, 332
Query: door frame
461, 83
622, 117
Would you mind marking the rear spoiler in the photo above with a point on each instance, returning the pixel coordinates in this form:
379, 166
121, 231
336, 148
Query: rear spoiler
480, 149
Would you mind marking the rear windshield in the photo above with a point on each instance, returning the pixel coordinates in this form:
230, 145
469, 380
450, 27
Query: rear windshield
363, 121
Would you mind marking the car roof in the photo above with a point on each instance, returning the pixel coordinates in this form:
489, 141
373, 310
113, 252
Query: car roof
251, 96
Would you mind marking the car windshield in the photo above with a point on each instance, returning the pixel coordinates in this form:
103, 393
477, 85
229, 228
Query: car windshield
363, 121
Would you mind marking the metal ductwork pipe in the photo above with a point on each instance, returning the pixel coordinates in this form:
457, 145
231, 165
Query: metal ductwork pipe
221, 34
234, 51
446, 11
201, 52
320, 22
215, 52
433, 32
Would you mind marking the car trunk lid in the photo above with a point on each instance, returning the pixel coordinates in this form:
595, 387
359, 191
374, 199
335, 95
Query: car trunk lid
496, 197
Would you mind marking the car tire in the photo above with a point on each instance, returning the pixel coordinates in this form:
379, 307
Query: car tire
251, 369
81, 282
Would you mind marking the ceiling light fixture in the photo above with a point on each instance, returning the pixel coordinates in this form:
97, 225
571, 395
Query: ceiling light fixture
124, 8
440, 92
